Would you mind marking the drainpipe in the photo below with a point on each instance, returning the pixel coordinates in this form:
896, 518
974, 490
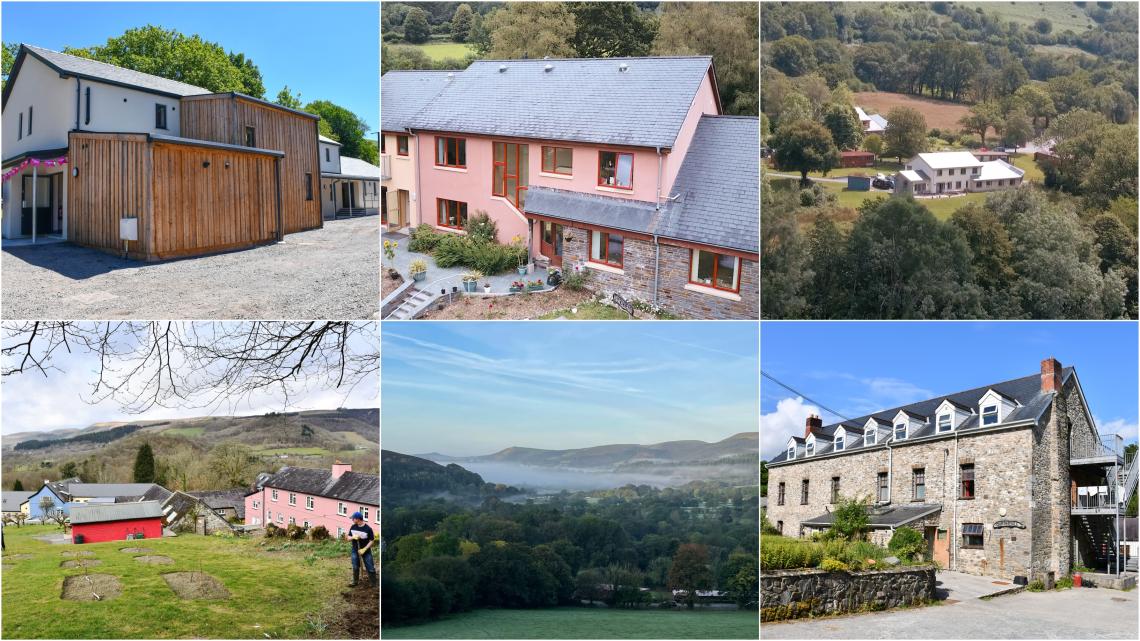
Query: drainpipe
656, 243
953, 534
416, 192
890, 471
657, 202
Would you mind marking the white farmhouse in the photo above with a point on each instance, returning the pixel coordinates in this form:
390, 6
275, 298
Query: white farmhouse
349, 186
872, 123
950, 172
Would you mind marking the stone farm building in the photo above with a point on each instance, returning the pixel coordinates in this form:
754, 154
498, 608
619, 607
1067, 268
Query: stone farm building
125, 161
949, 172
310, 497
623, 167
1009, 479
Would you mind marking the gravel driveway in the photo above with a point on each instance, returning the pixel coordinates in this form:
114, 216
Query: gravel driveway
329, 273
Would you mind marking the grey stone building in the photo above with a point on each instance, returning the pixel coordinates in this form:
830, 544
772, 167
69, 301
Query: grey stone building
997, 478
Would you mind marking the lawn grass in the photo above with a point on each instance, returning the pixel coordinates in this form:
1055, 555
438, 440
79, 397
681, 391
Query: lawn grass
1033, 173
943, 208
1063, 15
585, 623
442, 50
188, 432
590, 310
881, 167
273, 594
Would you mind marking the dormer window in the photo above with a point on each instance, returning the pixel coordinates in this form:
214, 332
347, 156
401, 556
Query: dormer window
809, 448
839, 443
945, 423
900, 431
791, 452
869, 438
990, 415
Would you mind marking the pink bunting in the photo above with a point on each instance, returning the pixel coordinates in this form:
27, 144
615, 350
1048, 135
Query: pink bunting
46, 162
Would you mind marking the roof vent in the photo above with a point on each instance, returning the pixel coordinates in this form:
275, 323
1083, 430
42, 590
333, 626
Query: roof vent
623, 67
549, 68
450, 77
502, 68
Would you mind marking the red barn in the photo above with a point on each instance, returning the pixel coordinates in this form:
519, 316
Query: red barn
856, 159
100, 522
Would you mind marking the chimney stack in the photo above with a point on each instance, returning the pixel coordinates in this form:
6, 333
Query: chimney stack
339, 468
813, 422
1050, 375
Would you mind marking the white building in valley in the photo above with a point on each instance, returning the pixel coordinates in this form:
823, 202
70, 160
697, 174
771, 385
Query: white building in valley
950, 172
872, 123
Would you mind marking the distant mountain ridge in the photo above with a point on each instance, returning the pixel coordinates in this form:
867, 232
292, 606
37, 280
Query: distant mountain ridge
403, 476
738, 448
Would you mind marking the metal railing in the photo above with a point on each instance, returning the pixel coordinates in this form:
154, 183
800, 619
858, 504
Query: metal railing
1107, 445
1096, 497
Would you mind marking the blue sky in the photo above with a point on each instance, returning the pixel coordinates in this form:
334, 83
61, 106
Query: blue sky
325, 50
859, 368
472, 388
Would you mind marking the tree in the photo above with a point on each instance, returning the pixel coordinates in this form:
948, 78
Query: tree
981, 118
286, 98
461, 23
874, 144
783, 270
742, 579
10, 50
850, 520
232, 464
905, 134
690, 571
531, 30
827, 259
1043, 26
990, 245
1017, 129
403, 57
907, 544
479, 38
416, 27
343, 126
793, 55
68, 470
805, 146
727, 32
144, 465
611, 29
588, 585
17, 486
1112, 173
170, 54
1039, 104
843, 123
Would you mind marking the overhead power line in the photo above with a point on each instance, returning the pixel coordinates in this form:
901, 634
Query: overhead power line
803, 396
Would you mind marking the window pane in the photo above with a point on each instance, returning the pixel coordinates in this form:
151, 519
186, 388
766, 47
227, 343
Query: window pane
462, 208
497, 181
565, 160
625, 170
596, 245
512, 161
703, 267
606, 168
613, 249
512, 184
726, 271
440, 151
524, 167
462, 145
548, 158
500, 151
441, 215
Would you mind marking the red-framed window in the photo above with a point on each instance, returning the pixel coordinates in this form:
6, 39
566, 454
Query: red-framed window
451, 213
615, 169
510, 174
383, 143
450, 152
401, 145
558, 160
710, 269
606, 248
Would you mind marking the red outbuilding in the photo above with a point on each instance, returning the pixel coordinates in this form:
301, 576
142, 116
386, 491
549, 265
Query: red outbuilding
100, 522
856, 159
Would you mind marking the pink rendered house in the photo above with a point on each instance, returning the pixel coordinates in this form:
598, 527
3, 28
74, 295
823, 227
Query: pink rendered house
581, 158
311, 497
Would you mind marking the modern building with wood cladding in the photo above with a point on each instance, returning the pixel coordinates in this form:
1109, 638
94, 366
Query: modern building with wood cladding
129, 162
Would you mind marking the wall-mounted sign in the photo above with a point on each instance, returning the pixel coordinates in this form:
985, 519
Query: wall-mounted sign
1007, 523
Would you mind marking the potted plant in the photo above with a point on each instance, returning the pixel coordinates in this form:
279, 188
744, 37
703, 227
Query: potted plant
418, 269
486, 288
534, 285
517, 243
471, 281
517, 286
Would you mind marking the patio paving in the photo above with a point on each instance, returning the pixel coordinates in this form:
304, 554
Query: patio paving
441, 277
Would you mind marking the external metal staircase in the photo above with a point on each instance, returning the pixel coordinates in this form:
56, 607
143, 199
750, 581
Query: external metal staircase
1127, 479
412, 306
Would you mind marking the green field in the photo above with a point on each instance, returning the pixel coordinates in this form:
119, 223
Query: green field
942, 208
584, 623
289, 593
1063, 15
882, 167
443, 50
188, 432
1033, 173
294, 451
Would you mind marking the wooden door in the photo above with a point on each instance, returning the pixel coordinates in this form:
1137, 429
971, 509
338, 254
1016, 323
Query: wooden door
401, 208
550, 242
938, 545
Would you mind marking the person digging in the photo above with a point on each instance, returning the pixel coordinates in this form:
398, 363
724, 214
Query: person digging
362, 540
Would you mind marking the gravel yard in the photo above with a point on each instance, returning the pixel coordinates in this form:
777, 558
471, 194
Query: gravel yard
329, 273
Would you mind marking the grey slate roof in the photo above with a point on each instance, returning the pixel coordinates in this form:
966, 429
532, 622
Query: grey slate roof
101, 512
118, 75
1025, 392
223, 499
719, 188
884, 517
605, 211
587, 100
355, 168
353, 487
12, 500
327, 140
156, 493
88, 490
403, 93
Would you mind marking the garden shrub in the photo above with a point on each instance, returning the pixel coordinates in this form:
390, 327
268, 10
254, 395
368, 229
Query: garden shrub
480, 227
834, 565
319, 533
295, 532
451, 251
487, 257
1064, 583
575, 281
807, 198
1035, 586
424, 239
850, 519
778, 553
907, 543
271, 531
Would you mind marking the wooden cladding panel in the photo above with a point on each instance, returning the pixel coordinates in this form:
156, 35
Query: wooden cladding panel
111, 184
224, 118
197, 208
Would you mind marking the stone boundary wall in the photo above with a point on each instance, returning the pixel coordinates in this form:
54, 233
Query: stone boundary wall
790, 594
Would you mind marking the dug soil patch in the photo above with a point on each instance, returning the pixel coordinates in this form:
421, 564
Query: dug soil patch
17, 557
156, 559
80, 564
196, 585
360, 618
85, 587
136, 550
75, 553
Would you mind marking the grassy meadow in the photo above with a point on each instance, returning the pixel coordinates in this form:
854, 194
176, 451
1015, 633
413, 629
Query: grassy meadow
292, 592
1063, 15
442, 50
586, 623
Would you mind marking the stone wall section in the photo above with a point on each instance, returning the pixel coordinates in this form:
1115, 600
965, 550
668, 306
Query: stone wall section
789, 594
637, 280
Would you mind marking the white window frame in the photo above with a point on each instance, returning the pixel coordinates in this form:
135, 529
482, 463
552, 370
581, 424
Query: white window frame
341, 508
995, 410
949, 418
292, 498
308, 503
906, 429
839, 444
791, 452
273, 495
870, 435
363, 512
809, 448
